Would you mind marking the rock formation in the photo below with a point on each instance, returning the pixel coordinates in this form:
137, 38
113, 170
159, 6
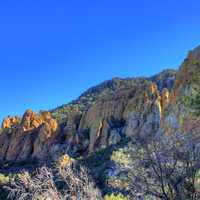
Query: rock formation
28, 138
10, 122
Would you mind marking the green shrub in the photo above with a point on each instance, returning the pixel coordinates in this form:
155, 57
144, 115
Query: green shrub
122, 156
195, 103
115, 197
4, 179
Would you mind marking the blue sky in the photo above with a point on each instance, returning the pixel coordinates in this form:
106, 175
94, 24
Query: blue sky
51, 51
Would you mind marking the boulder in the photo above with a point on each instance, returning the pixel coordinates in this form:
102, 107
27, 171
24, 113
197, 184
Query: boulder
63, 161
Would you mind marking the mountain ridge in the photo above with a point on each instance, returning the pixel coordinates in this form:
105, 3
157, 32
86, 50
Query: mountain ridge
113, 82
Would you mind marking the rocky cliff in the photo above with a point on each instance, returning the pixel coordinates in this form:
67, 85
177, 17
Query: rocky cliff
104, 115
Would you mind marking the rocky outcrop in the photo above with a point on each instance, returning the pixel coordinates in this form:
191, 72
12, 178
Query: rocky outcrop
165, 98
28, 138
188, 75
97, 117
147, 120
45, 139
165, 79
142, 108
102, 116
10, 122
119, 108
5, 139
70, 130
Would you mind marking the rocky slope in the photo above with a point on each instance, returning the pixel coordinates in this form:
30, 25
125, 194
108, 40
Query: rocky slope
103, 116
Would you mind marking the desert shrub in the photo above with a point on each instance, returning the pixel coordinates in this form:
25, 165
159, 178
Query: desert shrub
53, 183
186, 101
122, 157
115, 197
118, 174
40, 185
192, 102
78, 184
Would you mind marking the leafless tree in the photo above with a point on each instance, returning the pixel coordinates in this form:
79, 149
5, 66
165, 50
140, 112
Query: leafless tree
40, 185
78, 184
66, 183
166, 167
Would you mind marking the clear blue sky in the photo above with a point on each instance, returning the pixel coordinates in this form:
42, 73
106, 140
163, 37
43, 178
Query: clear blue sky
51, 51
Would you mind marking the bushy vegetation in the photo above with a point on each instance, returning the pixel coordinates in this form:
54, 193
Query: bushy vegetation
164, 167
4, 180
193, 100
195, 103
115, 197
122, 156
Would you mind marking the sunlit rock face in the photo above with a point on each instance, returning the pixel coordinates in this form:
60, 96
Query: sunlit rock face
20, 141
141, 107
45, 139
148, 119
10, 122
